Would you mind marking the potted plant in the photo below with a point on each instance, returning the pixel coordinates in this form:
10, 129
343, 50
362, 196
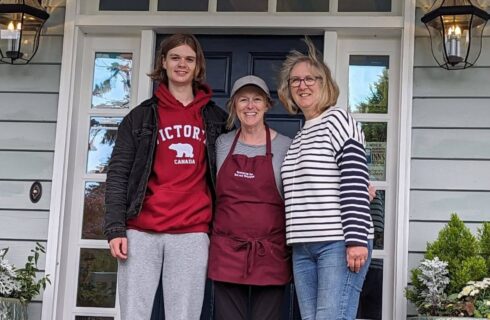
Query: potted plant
19, 286
453, 282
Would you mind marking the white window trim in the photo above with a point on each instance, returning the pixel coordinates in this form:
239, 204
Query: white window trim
405, 147
385, 47
91, 7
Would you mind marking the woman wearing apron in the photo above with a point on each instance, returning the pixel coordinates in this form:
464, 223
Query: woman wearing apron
249, 261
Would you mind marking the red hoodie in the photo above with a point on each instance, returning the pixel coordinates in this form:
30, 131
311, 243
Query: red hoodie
178, 199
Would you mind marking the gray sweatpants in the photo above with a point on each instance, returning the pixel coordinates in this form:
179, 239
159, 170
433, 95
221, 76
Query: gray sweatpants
182, 259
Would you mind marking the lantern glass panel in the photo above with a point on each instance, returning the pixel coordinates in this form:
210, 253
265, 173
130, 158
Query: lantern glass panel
436, 38
456, 38
475, 38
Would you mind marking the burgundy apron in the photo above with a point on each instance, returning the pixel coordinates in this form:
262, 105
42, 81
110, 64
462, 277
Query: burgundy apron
248, 243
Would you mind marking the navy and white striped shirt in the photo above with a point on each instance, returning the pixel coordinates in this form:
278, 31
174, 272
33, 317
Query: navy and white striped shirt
325, 179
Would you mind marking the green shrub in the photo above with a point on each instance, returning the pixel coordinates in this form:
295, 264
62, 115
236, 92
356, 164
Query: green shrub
460, 249
484, 237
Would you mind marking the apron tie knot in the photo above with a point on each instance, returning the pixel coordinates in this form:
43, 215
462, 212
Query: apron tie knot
253, 247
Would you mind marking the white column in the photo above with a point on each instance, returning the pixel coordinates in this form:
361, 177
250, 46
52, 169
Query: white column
147, 58
330, 39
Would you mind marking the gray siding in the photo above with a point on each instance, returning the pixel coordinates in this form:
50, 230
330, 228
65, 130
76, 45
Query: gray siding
28, 111
450, 166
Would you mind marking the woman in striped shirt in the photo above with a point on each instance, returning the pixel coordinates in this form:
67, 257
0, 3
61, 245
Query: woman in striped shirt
325, 179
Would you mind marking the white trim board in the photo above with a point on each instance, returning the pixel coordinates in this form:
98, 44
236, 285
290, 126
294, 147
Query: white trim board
404, 142
53, 246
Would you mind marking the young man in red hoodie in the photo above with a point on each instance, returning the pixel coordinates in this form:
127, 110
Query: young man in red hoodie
160, 187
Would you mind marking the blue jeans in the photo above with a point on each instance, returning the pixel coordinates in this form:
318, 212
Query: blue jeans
326, 288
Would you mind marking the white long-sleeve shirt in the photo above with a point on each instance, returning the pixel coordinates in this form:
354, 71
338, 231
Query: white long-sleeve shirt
325, 179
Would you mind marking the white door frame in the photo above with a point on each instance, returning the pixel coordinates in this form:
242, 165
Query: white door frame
391, 48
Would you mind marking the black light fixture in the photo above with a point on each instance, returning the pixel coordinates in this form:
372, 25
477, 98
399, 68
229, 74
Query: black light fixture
456, 30
21, 22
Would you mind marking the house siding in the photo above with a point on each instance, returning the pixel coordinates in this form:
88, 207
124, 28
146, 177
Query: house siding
450, 156
28, 112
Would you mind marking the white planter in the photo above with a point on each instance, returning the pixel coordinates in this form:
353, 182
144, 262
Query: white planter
12, 309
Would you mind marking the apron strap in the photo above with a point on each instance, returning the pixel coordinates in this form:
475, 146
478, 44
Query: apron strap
268, 148
268, 144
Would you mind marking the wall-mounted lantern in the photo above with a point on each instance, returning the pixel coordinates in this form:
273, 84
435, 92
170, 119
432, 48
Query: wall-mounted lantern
456, 30
21, 22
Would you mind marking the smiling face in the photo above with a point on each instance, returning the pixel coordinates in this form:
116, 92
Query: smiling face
180, 65
307, 98
251, 105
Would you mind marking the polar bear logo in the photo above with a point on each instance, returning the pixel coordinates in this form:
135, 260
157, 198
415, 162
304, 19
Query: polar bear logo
182, 149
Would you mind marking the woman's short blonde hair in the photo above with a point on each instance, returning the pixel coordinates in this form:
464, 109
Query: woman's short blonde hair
329, 89
231, 105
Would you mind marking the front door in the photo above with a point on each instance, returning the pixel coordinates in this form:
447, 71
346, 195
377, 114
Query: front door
107, 83
231, 57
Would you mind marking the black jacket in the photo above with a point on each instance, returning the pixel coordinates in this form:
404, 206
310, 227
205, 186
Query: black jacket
132, 160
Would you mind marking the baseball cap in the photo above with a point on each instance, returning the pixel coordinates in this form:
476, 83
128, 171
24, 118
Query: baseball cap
250, 80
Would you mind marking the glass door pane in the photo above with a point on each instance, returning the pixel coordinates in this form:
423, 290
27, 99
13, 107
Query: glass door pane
93, 210
377, 208
243, 6
97, 276
102, 136
368, 84
183, 5
112, 80
303, 5
124, 5
371, 299
376, 134
364, 6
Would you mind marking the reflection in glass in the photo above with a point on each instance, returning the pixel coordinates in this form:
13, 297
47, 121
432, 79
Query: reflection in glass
124, 5
377, 209
183, 5
243, 6
371, 299
102, 135
368, 84
96, 279
93, 318
93, 210
111, 86
376, 134
302, 5
364, 6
